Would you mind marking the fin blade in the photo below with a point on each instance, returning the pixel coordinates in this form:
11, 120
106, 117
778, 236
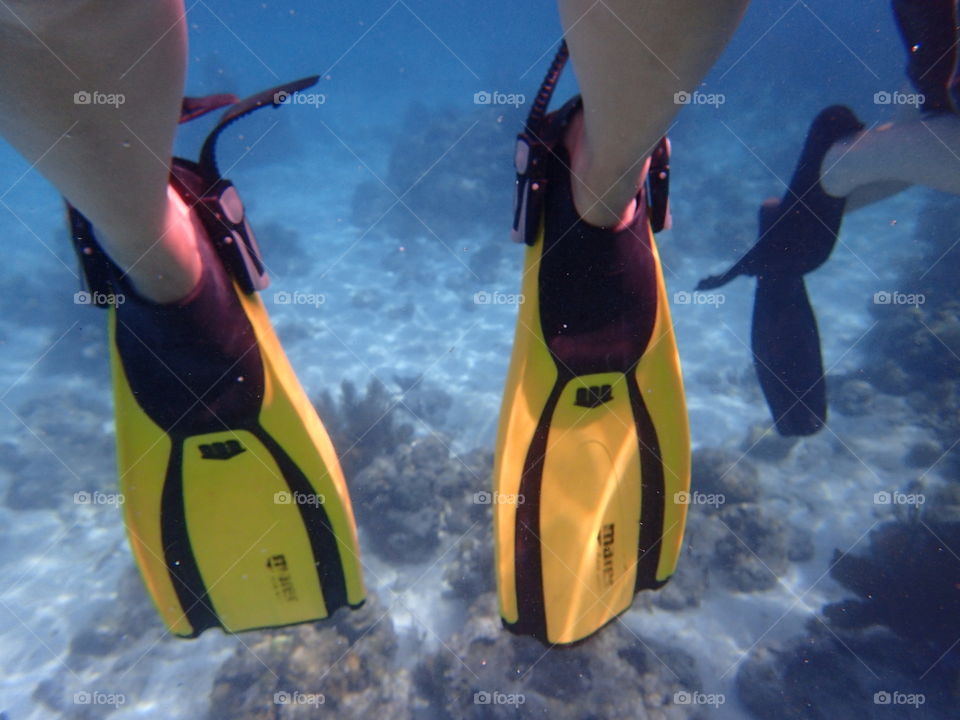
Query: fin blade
786, 349
598, 459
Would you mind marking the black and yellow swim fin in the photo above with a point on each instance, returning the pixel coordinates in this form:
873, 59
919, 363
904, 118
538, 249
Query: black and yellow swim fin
593, 449
235, 504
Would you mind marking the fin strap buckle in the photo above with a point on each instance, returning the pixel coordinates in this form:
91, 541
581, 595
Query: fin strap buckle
224, 219
658, 187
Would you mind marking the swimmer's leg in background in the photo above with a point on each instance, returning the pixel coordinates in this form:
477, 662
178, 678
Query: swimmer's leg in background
922, 152
917, 151
108, 156
631, 57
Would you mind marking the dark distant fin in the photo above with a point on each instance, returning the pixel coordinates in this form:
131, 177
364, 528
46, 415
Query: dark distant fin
714, 281
194, 107
786, 349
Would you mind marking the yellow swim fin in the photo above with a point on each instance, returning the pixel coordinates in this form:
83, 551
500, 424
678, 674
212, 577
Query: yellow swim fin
235, 504
593, 449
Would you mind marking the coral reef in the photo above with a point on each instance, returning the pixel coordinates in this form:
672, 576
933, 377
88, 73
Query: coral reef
406, 492
484, 672
106, 654
717, 471
764, 443
427, 403
890, 643
851, 394
362, 427
404, 500
440, 155
909, 582
283, 251
913, 351
757, 547
471, 573
820, 676
346, 667
732, 540
62, 447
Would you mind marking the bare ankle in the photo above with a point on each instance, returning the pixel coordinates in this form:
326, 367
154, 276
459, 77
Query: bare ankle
170, 267
614, 205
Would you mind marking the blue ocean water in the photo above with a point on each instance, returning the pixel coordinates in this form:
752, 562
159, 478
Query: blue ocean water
824, 585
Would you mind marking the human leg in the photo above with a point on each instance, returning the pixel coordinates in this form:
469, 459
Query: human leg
631, 58
93, 91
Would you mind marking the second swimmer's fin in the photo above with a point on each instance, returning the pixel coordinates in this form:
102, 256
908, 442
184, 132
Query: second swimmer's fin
235, 504
796, 236
593, 448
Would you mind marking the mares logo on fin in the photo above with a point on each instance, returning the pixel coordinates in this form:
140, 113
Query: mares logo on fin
593, 396
605, 539
221, 450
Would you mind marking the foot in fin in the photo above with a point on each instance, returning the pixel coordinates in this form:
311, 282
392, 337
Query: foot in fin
593, 449
929, 29
796, 236
235, 504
